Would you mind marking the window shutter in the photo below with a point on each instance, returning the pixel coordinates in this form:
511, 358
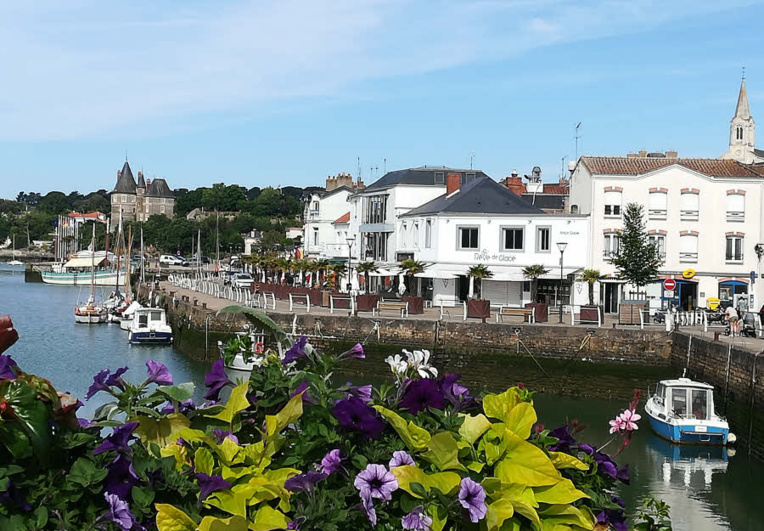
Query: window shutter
689, 202
688, 243
657, 201
735, 203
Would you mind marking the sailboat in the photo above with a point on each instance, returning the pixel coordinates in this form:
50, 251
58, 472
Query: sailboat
15, 262
90, 312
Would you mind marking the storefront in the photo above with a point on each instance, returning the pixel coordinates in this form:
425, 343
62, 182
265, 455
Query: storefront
732, 291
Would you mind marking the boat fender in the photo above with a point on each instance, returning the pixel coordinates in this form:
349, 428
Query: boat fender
259, 347
731, 438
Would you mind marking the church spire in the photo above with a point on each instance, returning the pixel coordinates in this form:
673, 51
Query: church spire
742, 110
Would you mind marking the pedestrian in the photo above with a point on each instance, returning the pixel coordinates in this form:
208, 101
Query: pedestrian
733, 319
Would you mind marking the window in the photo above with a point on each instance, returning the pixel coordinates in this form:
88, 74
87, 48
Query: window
315, 236
657, 208
543, 240
679, 402
314, 208
659, 240
440, 177
375, 208
738, 133
428, 234
415, 230
688, 248
470, 176
735, 207
468, 238
699, 404
403, 236
689, 206
734, 249
612, 244
612, 203
512, 239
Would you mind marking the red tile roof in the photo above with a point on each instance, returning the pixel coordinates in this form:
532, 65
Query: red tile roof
556, 189
343, 219
642, 165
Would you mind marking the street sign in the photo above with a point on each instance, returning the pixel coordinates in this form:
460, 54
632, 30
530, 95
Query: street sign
668, 294
669, 284
688, 273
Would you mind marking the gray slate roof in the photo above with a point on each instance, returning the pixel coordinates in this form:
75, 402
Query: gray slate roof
549, 201
126, 182
141, 180
159, 188
424, 175
481, 195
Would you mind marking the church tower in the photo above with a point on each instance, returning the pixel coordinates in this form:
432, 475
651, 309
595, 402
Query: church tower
742, 131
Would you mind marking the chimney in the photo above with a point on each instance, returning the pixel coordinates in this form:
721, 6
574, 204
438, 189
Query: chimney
642, 153
515, 185
672, 154
148, 183
453, 182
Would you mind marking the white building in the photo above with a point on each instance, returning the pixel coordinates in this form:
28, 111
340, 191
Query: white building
322, 209
704, 215
482, 222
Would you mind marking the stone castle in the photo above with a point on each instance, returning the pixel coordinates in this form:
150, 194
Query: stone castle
141, 200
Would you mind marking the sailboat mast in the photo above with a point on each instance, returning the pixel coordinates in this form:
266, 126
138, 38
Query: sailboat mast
92, 266
128, 251
199, 252
143, 261
117, 250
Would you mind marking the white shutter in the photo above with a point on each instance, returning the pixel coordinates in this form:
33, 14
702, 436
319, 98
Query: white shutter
735, 203
689, 202
657, 201
688, 243
499, 292
612, 198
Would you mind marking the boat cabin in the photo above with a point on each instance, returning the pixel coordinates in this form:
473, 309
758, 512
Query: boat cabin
145, 317
686, 399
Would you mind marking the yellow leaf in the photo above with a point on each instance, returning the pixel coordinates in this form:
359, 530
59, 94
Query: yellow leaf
498, 511
203, 461
160, 431
473, 427
445, 482
562, 460
234, 523
527, 511
525, 464
443, 452
178, 452
561, 493
291, 412
499, 406
171, 519
229, 451
268, 518
521, 419
237, 402
413, 436
564, 514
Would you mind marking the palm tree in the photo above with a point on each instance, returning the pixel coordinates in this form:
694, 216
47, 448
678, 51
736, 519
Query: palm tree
533, 272
410, 268
590, 276
311, 266
478, 272
367, 268
322, 266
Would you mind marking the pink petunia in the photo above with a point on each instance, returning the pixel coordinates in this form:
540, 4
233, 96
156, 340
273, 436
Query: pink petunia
629, 418
616, 424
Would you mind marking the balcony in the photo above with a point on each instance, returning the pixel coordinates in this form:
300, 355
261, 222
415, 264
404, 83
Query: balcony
689, 215
688, 258
735, 215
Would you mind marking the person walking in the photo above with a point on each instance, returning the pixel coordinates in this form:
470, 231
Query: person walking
733, 319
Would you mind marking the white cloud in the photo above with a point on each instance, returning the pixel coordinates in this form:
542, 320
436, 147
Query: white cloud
85, 68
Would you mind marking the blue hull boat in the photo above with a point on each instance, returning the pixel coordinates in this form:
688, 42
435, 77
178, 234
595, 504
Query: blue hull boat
143, 338
149, 326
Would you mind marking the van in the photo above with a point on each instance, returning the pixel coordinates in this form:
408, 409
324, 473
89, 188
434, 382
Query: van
171, 260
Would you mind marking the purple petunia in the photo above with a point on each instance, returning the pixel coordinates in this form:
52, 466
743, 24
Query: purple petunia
368, 506
400, 458
564, 439
613, 518
353, 414
472, 498
8, 367
99, 384
209, 484
216, 380
355, 352
296, 351
220, 435
120, 478
421, 395
588, 449
417, 520
183, 407
331, 462
304, 482
11, 497
118, 440
375, 481
362, 391
119, 513
115, 380
303, 388
606, 464
294, 524
158, 373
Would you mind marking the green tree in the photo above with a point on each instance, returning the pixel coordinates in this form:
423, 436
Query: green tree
533, 273
590, 276
187, 200
366, 268
479, 272
224, 198
54, 203
410, 268
637, 260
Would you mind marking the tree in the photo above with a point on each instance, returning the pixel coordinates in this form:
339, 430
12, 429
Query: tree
478, 273
411, 268
637, 260
590, 276
366, 268
533, 273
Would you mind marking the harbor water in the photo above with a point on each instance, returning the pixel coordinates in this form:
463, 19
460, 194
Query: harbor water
708, 489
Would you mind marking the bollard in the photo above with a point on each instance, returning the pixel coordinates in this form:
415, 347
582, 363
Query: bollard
196, 302
204, 305
716, 336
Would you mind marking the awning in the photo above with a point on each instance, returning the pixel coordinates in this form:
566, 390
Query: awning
381, 273
554, 272
508, 277
437, 274
84, 262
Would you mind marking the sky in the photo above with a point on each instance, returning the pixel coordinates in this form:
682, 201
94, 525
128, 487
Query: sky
287, 92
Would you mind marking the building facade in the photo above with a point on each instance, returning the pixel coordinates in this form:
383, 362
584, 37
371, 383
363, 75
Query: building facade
141, 200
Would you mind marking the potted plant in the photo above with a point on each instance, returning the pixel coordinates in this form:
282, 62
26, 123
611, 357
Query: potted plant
366, 302
366, 268
411, 268
476, 306
540, 309
590, 313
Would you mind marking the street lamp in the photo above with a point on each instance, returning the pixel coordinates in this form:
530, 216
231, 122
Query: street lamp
561, 246
351, 241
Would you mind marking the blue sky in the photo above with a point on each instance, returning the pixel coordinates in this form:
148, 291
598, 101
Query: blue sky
289, 91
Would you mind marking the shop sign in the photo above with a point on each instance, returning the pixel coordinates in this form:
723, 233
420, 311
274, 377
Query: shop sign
485, 256
688, 273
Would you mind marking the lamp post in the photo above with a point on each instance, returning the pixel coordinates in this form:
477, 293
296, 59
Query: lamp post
561, 246
351, 241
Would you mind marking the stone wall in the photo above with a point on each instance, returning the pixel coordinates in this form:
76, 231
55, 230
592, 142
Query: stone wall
738, 379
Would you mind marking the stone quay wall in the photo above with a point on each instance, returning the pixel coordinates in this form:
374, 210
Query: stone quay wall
738, 379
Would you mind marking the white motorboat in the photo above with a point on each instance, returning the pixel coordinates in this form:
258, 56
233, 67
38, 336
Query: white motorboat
149, 326
15, 263
682, 411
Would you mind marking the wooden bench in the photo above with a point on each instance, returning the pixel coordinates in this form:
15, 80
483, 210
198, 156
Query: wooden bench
513, 312
400, 306
299, 298
349, 300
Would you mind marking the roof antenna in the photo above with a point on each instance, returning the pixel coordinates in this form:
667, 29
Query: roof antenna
744, 72
472, 157
576, 136
126, 150
359, 167
384, 166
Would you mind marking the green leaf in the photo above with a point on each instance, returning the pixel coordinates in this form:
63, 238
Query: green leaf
268, 518
85, 473
162, 431
567, 515
234, 523
443, 452
171, 519
521, 419
473, 427
106, 411
445, 482
203, 461
499, 511
418, 489
562, 460
499, 406
525, 464
179, 393
31, 415
290, 413
142, 496
259, 319
413, 436
236, 402
41, 517
561, 493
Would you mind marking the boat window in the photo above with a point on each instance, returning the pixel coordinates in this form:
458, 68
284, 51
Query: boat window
143, 319
156, 316
661, 390
700, 404
679, 402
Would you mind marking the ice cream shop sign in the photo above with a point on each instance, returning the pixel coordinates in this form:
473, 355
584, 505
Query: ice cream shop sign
485, 256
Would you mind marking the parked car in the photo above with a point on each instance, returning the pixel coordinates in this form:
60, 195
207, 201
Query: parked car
228, 276
172, 260
242, 280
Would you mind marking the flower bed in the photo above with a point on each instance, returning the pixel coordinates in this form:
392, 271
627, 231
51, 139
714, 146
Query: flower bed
288, 449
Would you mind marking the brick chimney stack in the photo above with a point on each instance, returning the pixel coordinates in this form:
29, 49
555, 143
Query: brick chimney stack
453, 182
515, 185
148, 183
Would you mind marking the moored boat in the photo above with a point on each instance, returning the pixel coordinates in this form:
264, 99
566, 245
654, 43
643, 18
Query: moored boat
126, 317
682, 411
90, 312
149, 326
